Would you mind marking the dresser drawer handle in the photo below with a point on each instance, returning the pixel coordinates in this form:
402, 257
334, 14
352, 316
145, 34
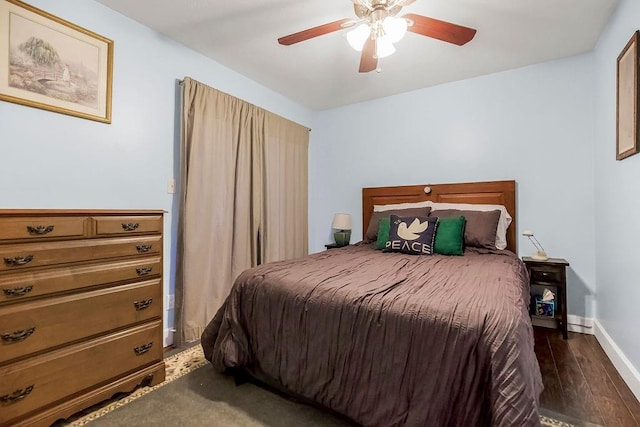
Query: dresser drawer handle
17, 336
143, 271
130, 226
17, 292
40, 229
19, 260
141, 305
143, 349
544, 273
17, 395
143, 248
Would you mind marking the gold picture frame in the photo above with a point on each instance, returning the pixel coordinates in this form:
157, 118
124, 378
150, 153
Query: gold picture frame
52, 64
627, 132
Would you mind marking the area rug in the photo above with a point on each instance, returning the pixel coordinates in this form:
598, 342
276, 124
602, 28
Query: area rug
223, 400
176, 366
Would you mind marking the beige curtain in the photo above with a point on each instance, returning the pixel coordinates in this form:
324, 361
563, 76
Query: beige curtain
285, 215
228, 219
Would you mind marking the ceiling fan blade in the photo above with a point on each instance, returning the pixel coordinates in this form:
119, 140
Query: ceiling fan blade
368, 61
312, 32
441, 30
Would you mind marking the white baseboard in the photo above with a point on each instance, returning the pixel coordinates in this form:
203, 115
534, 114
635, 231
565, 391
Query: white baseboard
575, 323
168, 336
625, 368
584, 325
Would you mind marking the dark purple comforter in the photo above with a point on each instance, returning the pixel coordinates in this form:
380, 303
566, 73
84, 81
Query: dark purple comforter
388, 339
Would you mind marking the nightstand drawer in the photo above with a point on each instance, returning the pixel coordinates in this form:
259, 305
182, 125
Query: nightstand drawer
542, 274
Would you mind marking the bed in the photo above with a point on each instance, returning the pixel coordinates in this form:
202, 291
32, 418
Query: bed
389, 339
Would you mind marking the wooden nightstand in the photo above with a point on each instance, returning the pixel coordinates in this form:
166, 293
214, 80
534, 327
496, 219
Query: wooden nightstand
551, 274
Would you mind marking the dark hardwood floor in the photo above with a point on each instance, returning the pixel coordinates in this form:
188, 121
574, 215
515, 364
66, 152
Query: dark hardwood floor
581, 382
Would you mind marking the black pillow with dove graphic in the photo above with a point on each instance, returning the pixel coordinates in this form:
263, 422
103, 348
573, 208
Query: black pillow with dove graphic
411, 235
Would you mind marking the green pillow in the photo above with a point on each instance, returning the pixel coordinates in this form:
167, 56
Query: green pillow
450, 236
383, 233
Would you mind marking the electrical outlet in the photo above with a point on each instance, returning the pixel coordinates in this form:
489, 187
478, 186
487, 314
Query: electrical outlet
171, 186
171, 302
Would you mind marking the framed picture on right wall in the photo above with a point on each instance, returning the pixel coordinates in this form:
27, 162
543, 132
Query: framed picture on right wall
627, 100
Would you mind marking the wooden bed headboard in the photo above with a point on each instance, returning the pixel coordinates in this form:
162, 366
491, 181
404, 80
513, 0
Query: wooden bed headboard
490, 192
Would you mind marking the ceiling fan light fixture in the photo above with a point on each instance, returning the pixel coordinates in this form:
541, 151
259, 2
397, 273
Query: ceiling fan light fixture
358, 36
394, 28
384, 47
379, 25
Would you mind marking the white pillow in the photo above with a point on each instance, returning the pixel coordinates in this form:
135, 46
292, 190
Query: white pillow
382, 208
503, 222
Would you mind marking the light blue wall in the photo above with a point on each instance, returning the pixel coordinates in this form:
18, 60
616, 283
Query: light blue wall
534, 125
617, 185
50, 160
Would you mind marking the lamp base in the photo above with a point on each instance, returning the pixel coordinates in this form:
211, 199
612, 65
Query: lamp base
342, 238
540, 256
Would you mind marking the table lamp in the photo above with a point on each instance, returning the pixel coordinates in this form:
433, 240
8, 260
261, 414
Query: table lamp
540, 254
342, 225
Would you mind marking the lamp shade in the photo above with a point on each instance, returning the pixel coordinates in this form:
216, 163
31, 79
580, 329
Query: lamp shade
394, 28
358, 36
384, 47
341, 221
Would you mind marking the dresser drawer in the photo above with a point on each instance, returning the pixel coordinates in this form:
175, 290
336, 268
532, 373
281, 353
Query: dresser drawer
43, 227
124, 225
23, 285
546, 274
26, 255
45, 379
37, 325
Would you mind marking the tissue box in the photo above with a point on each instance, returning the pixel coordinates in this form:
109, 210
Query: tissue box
544, 308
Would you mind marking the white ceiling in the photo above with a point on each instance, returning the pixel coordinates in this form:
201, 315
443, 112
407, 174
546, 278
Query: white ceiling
322, 73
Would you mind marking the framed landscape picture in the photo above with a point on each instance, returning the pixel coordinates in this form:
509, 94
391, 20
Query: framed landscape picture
49, 63
627, 100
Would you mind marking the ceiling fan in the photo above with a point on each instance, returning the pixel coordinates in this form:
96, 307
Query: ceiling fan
380, 27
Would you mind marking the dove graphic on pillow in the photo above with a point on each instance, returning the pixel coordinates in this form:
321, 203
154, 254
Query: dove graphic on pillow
411, 235
413, 231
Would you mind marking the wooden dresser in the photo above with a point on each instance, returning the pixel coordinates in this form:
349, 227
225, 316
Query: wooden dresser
80, 309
